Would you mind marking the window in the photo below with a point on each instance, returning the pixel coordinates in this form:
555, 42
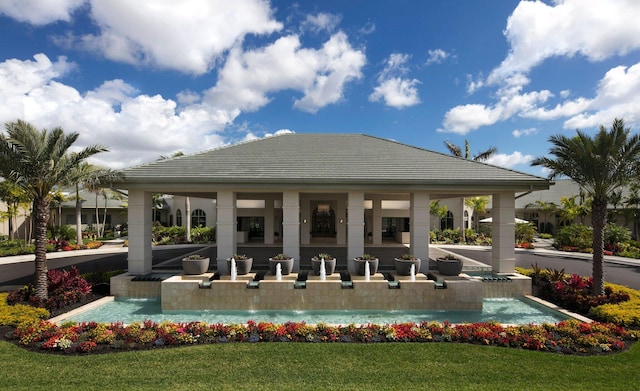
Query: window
179, 218
447, 222
198, 218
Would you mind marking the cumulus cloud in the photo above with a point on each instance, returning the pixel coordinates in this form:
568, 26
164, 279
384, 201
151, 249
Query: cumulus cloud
190, 38
40, 12
537, 31
393, 88
436, 56
595, 29
137, 128
320, 74
524, 132
511, 160
322, 21
465, 118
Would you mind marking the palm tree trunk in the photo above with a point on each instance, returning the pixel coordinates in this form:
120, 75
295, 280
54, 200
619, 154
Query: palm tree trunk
599, 220
78, 217
41, 217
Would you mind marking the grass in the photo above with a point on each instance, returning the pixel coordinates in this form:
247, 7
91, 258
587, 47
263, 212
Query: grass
294, 366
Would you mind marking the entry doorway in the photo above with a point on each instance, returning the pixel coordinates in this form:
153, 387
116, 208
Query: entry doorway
323, 222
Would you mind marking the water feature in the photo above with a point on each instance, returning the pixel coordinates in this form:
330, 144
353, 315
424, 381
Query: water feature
412, 272
503, 310
323, 270
278, 272
367, 272
234, 270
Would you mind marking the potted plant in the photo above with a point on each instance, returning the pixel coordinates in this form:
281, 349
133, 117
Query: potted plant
195, 264
404, 262
329, 263
243, 264
286, 263
449, 265
360, 263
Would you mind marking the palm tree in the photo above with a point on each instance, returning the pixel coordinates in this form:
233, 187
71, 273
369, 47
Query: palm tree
600, 165
37, 161
480, 157
546, 208
95, 181
438, 211
479, 205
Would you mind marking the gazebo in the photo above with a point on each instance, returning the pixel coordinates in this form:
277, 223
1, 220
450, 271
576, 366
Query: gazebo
330, 186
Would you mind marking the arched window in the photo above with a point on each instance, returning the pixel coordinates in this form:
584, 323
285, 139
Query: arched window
447, 222
198, 218
179, 218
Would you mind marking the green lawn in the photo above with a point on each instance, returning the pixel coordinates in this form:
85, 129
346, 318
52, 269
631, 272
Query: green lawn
299, 366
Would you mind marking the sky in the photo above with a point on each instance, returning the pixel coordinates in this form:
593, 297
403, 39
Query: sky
149, 78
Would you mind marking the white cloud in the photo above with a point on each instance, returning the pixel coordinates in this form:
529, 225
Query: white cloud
524, 132
465, 118
396, 92
322, 22
511, 160
596, 29
40, 12
392, 88
137, 128
565, 93
248, 77
190, 38
437, 56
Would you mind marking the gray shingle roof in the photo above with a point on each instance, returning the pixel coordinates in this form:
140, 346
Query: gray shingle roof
353, 159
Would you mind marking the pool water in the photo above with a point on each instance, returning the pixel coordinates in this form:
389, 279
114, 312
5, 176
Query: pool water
502, 310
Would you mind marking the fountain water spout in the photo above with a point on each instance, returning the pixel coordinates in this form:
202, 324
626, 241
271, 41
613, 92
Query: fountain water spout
234, 270
413, 272
323, 270
278, 272
367, 272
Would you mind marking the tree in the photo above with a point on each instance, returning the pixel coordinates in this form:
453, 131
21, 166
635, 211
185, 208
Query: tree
14, 197
95, 181
37, 161
600, 165
480, 157
438, 211
546, 208
479, 205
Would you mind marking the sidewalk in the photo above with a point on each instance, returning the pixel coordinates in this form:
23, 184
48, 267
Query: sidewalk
547, 251
105, 249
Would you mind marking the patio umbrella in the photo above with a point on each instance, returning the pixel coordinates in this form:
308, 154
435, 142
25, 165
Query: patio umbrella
490, 220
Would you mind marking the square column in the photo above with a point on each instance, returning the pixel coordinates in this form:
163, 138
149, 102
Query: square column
226, 227
291, 226
377, 221
503, 256
268, 220
139, 220
355, 227
420, 220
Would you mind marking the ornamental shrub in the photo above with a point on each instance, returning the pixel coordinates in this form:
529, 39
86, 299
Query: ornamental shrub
65, 287
13, 315
576, 235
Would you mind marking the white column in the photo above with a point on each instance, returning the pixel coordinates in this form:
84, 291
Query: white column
226, 237
503, 236
355, 227
139, 216
420, 220
377, 220
268, 220
291, 226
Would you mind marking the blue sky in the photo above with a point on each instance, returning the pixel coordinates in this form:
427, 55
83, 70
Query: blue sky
149, 78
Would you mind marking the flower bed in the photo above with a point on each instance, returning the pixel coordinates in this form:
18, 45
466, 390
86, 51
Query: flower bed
568, 337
